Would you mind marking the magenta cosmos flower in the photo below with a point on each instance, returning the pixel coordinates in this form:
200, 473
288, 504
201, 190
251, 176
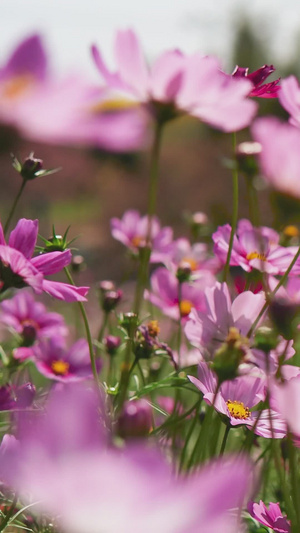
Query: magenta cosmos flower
165, 293
63, 111
235, 400
280, 155
30, 319
195, 256
257, 78
176, 84
208, 329
54, 361
271, 517
132, 230
19, 269
64, 464
254, 248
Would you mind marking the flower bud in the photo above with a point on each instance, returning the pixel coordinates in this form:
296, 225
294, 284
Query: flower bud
129, 322
31, 168
25, 395
135, 420
112, 344
28, 334
283, 314
184, 271
78, 264
230, 355
246, 155
265, 339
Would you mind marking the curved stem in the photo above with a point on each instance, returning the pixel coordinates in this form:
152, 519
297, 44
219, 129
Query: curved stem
87, 331
235, 207
13, 207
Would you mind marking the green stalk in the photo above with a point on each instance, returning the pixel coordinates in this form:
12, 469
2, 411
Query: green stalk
13, 207
224, 441
152, 197
87, 331
9, 514
270, 296
190, 432
235, 207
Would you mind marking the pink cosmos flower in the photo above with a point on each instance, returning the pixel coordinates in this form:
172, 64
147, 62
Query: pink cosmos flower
235, 400
280, 156
19, 269
176, 84
165, 293
64, 464
54, 361
193, 255
287, 399
254, 248
270, 517
257, 78
132, 231
62, 111
208, 329
289, 99
30, 319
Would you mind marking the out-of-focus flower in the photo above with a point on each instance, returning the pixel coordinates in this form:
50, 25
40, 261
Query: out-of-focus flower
62, 111
289, 99
132, 231
14, 397
54, 361
280, 155
270, 517
174, 302
254, 248
208, 329
175, 84
236, 398
287, 398
30, 319
19, 269
62, 461
257, 78
193, 255
135, 419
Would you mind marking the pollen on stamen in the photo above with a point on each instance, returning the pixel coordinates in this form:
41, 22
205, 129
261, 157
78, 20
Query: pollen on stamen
60, 368
137, 241
256, 255
238, 410
191, 262
185, 307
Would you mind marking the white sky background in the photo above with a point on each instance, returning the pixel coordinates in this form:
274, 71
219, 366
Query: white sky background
70, 26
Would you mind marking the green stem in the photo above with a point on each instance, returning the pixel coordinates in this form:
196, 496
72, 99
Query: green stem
235, 183
103, 327
13, 207
190, 432
224, 441
152, 197
87, 330
270, 296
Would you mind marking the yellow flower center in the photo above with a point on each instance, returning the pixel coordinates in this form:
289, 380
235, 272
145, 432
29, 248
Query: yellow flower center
60, 367
153, 328
238, 410
256, 255
137, 241
193, 264
114, 104
291, 231
16, 86
185, 307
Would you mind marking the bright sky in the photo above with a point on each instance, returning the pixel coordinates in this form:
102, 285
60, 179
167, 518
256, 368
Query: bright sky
69, 27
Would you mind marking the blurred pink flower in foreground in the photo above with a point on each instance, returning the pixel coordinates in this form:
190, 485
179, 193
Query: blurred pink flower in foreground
19, 269
280, 155
175, 84
64, 463
62, 111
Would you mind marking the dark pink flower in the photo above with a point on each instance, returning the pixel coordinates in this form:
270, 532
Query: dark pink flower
165, 293
54, 361
30, 319
254, 248
257, 78
132, 229
19, 269
270, 517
